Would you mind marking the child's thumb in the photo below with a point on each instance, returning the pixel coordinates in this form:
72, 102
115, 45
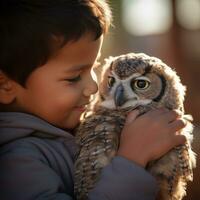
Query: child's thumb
132, 116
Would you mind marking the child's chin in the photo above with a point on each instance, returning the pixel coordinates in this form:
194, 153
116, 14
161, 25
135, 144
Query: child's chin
72, 125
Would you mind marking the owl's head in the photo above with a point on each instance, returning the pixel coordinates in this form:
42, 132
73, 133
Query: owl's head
133, 80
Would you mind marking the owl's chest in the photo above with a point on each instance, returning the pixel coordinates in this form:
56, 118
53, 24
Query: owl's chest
103, 128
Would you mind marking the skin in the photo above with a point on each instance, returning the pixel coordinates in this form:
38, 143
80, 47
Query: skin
142, 144
59, 90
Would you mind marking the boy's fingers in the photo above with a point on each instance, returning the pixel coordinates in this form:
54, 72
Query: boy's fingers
169, 116
172, 115
179, 139
156, 112
177, 125
132, 116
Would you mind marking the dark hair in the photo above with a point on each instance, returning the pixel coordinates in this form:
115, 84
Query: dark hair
28, 29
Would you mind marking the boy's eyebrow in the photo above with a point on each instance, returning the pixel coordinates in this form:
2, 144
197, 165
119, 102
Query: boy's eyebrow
78, 67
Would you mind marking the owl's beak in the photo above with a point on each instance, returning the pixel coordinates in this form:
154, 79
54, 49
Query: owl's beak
119, 96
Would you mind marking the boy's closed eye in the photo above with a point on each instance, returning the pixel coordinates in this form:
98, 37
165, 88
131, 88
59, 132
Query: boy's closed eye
74, 79
78, 77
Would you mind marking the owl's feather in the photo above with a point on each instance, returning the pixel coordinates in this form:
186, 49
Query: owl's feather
133, 81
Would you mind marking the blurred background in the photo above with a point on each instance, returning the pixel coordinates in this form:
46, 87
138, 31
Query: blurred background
170, 30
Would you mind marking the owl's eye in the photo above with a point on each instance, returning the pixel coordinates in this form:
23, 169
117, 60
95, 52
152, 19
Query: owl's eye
111, 81
141, 84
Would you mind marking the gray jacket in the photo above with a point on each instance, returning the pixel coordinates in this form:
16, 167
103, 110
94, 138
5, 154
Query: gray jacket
37, 161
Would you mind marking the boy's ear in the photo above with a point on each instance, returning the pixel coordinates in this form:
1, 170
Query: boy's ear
7, 89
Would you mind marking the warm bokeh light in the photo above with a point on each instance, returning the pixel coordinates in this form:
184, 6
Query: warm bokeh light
144, 17
188, 13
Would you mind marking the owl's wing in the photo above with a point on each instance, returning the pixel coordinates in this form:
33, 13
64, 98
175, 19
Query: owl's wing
187, 158
98, 137
186, 161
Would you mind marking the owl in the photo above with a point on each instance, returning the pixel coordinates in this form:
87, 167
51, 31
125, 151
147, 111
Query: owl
128, 82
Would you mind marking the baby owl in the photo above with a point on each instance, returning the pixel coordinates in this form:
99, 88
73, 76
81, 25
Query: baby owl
133, 81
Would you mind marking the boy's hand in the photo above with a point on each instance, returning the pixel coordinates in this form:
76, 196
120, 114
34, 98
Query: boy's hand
151, 135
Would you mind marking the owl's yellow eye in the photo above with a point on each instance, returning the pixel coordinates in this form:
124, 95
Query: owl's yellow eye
111, 81
141, 84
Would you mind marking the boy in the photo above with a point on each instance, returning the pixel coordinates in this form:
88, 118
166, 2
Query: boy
47, 52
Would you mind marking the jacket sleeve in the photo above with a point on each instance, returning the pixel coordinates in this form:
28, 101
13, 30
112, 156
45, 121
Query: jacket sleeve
124, 180
24, 176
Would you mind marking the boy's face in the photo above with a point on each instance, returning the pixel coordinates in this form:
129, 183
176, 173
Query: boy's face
59, 90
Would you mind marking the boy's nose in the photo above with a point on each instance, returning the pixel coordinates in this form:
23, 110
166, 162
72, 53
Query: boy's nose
91, 87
